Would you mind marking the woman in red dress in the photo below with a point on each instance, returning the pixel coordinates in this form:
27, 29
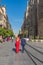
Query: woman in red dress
17, 44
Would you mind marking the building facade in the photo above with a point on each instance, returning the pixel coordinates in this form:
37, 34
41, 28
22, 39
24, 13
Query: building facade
33, 18
36, 14
40, 18
4, 23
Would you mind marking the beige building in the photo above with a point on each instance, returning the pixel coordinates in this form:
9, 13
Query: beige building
4, 23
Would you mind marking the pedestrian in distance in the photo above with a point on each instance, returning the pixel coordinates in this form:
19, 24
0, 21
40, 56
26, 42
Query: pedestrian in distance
23, 42
17, 44
12, 39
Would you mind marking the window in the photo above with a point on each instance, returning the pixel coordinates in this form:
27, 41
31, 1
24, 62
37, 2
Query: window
38, 1
1, 16
33, 1
0, 25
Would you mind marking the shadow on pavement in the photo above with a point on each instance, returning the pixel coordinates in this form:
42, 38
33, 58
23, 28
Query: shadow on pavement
15, 50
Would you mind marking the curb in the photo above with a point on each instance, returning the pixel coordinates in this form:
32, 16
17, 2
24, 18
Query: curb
37, 40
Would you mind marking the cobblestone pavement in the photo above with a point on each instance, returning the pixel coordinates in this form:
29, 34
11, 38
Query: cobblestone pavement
9, 57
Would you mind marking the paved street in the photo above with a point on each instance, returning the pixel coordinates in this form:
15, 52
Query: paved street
9, 57
30, 57
35, 49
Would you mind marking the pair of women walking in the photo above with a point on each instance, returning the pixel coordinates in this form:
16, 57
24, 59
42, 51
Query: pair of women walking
18, 42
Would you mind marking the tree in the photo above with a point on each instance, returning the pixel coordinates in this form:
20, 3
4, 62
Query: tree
6, 33
10, 33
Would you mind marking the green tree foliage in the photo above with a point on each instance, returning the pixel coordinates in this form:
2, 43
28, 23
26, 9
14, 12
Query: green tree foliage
9, 33
2, 31
5, 32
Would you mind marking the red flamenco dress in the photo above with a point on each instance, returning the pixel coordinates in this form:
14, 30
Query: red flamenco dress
17, 45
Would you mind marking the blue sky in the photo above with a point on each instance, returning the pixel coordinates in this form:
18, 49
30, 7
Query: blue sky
15, 10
